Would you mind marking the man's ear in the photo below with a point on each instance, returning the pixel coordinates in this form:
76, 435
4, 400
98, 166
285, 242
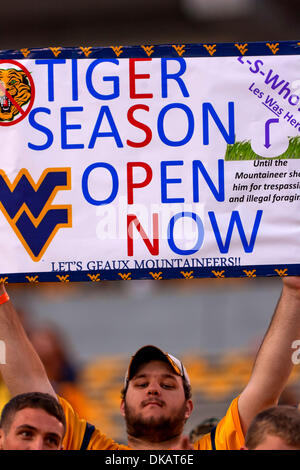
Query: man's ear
189, 408
122, 407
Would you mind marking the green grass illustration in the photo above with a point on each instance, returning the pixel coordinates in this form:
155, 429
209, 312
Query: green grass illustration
243, 151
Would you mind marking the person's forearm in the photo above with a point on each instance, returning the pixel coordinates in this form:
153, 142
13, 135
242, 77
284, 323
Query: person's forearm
273, 363
23, 370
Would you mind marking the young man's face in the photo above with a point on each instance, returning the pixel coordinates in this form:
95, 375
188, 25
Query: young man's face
155, 406
32, 429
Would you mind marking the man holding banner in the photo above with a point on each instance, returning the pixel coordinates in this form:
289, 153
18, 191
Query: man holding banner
156, 398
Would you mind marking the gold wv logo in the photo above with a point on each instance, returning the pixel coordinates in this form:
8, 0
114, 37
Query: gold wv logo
25, 52
156, 276
149, 50
55, 50
187, 274
281, 272
86, 50
273, 47
250, 273
242, 48
125, 277
218, 274
118, 50
63, 278
32, 279
94, 277
211, 49
179, 49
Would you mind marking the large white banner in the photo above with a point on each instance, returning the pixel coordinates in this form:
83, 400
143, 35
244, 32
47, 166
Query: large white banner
150, 162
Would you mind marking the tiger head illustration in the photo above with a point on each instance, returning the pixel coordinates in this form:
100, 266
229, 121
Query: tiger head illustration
15, 92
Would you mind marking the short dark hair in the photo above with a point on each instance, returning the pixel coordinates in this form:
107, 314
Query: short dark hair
186, 387
282, 421
45, 401
203, 428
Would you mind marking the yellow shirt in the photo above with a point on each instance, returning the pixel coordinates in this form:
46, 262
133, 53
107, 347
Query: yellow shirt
227, 435
81, 435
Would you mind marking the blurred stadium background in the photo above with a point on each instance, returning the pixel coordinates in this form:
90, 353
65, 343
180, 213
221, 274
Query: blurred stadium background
85, 333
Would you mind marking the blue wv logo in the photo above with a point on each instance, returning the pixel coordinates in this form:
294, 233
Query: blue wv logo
28, 207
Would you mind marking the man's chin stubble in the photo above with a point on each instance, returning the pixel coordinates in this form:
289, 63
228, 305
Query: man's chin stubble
154, 429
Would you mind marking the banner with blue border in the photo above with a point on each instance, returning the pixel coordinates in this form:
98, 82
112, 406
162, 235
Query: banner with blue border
150, 162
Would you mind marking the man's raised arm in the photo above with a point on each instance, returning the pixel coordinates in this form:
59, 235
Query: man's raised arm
273, 363
23, 370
